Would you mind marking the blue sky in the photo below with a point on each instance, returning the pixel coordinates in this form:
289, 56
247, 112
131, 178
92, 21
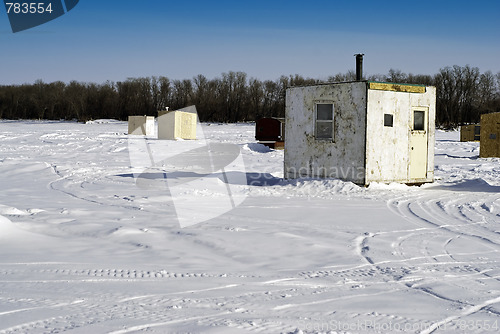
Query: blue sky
113, 40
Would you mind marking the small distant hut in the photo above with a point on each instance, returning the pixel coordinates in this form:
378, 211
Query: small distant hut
471, 132
141, 125
270, 131
490, 136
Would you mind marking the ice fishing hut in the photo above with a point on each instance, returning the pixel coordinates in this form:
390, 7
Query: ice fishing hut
177, 124
361, 131
471, 132
270, 131
141, 125
490, 136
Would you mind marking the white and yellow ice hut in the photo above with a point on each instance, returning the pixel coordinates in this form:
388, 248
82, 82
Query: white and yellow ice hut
177, 124
361, 131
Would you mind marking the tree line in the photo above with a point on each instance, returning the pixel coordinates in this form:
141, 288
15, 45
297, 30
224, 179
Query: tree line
463, 94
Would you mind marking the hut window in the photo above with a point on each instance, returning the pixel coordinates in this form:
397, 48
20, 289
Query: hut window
418, 120
324, 121
388, 120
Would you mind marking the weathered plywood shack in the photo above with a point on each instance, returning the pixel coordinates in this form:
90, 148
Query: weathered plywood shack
361, 131
177, 125
471, 132
490, 136
141, 125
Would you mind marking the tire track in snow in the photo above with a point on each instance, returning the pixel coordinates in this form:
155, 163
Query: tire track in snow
157, 309
41, 307
106, 275
53, 186
467, 312
362, 249
165, 323
462, 210
105, 311
441, 222
450, 218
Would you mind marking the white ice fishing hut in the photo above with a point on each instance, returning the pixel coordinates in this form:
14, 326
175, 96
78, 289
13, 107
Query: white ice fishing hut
177, 124
361, 131
141, 125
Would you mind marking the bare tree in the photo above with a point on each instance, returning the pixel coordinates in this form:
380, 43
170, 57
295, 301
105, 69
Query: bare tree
397, 76
487, 89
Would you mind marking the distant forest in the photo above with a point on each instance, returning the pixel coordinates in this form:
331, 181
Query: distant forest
463, 94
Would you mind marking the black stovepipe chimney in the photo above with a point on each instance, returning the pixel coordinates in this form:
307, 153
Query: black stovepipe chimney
359, 66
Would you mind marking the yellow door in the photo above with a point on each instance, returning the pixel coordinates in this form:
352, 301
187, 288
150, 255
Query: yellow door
418, 144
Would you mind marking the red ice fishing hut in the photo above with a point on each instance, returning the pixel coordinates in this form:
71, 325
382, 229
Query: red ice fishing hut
270, 131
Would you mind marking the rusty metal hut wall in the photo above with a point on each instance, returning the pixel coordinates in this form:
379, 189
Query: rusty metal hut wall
490, 136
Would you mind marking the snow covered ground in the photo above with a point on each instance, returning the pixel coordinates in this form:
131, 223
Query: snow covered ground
84, 249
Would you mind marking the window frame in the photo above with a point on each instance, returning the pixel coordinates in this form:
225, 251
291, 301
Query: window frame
316, 121
386, 123
425, 111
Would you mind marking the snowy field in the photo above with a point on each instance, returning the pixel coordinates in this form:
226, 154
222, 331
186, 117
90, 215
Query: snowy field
84, 249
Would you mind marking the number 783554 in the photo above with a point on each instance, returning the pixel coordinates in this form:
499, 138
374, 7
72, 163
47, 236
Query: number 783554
28, 8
